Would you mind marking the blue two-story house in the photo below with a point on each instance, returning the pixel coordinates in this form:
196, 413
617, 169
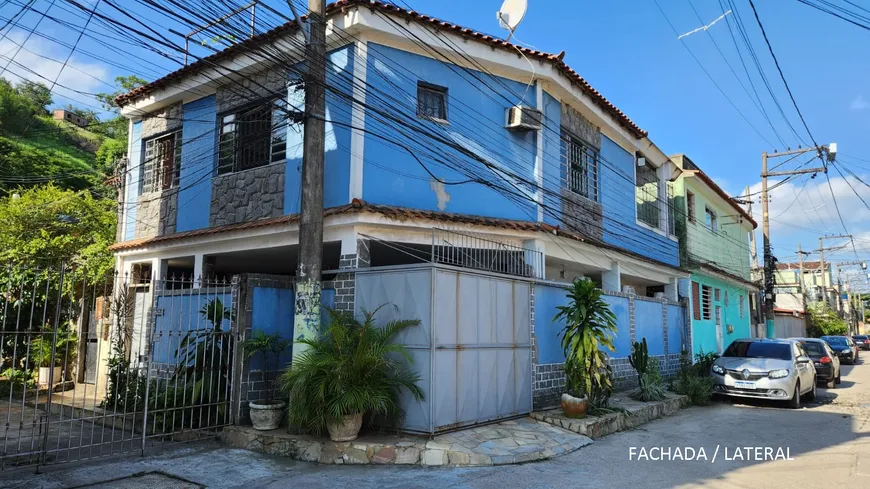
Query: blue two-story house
430, 128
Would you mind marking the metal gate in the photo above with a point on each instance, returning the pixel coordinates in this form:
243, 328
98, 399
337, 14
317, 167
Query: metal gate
472, 348
96, 367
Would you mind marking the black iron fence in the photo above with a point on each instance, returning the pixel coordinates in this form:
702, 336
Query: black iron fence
98, 365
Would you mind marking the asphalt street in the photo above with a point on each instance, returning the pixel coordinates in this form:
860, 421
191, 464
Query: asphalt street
827, 444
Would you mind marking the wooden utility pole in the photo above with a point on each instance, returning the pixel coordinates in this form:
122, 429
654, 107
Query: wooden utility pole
824, 152
310, 267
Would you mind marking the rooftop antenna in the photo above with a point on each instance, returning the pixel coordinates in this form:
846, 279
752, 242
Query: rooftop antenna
511, 14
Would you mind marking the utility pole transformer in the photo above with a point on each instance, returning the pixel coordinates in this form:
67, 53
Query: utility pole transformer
310, 267
769, 278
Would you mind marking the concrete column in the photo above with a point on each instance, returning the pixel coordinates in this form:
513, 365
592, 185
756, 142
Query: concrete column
611, 279
672, 289
535, 257
203, 269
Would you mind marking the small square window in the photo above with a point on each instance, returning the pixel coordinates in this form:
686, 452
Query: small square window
431, 101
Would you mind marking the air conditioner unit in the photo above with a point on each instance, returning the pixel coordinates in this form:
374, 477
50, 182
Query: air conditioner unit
521, 118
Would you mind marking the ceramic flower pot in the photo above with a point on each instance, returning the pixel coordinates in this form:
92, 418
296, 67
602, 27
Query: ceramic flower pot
574, 407
267, 415
45, 373
347, 429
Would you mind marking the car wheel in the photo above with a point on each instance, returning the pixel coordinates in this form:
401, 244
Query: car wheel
795, 401
811, 395
837, 380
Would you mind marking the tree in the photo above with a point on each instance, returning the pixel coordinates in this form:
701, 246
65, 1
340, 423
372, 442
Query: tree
109, 152
15, 111
24, 165
46, 224
37, 93
824, 321
124, 84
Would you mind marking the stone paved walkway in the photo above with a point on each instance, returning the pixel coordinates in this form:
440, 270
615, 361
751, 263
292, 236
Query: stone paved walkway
508, 442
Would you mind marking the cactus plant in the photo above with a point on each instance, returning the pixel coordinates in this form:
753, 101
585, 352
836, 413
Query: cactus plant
639, 359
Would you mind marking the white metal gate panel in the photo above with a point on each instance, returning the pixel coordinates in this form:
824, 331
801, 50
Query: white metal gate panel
472, 349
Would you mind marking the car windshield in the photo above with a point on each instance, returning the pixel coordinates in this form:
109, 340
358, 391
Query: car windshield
813, 347
835, 340
758, 349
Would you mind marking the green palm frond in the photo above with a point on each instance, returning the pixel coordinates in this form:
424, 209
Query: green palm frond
352, 367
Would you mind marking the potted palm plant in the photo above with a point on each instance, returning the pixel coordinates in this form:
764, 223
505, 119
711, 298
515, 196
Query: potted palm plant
64, 354
266, 413
586, 338
352, 369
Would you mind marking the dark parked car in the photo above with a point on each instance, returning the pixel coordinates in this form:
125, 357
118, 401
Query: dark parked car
843, 347
826, 361
862, 340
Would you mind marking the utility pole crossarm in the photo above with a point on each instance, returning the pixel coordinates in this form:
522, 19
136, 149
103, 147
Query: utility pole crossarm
795, 172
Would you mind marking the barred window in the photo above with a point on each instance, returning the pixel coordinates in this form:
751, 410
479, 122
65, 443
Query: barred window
706, 302
431, 101
581, 164
162, 164
647, 195
253, 137
690, 206
741, 306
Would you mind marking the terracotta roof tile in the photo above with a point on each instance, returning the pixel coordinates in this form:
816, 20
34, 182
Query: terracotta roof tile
332, 8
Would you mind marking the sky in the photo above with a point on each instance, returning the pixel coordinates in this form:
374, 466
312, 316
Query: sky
629, 51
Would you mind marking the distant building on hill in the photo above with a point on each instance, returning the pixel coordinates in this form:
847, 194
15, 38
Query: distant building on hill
65, 115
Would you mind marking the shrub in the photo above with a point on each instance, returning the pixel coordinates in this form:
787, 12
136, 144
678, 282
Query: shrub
352, 367
694, 380
649, 379
586, 338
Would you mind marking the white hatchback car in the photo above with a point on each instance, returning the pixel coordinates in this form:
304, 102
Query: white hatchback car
766, 369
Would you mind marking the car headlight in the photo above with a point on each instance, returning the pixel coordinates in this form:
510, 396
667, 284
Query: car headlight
717, 369
778, 374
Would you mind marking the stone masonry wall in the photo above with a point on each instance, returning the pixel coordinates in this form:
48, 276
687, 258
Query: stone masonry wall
248, 195
268, 83
582, 215
581, 126
157, 212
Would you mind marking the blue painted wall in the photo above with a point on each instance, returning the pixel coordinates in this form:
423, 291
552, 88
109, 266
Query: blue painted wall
476, 122
622, 340
616, 187
273, 311
554, 170
648, 324
180, 314
197, 164
336, 184
548, 297
676, 322
133, 169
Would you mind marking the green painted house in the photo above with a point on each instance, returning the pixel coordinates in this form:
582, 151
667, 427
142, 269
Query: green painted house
714, 245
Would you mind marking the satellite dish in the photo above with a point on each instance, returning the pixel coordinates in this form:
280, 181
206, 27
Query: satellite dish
511, 14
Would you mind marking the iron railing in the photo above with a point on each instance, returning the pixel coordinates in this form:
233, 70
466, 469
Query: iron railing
118, 363
467, 250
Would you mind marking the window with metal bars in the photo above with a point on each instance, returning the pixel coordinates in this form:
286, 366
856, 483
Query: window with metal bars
706, 302
581, 164
647, 195
252, 137
162, 164
431, 101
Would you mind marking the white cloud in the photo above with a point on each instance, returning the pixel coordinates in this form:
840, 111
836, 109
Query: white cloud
859, 103
78, 75
807, 203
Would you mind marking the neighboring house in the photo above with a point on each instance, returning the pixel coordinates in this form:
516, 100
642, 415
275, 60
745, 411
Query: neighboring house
714, 245
65, 115
213, 181
818, 287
